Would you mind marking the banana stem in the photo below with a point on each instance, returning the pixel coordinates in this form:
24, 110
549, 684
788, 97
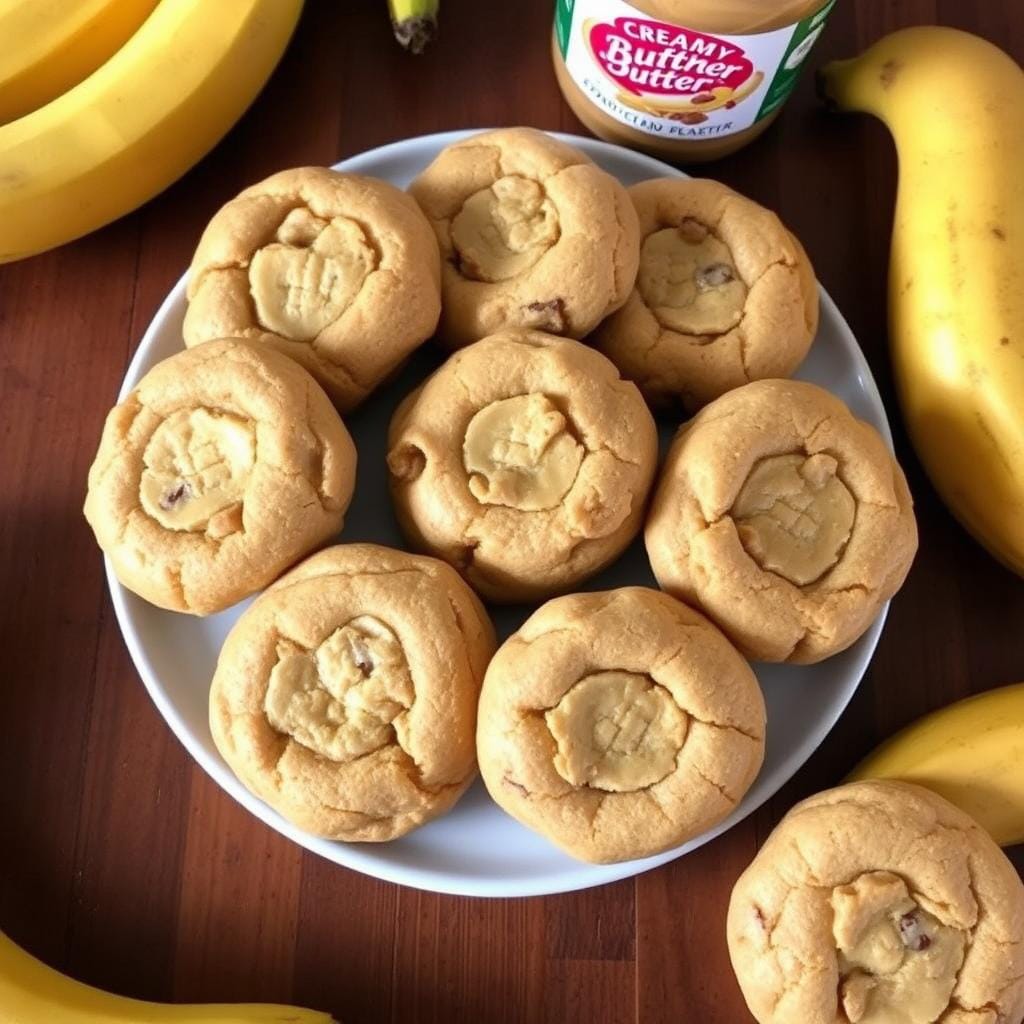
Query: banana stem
414, 22
859, 83
829, 82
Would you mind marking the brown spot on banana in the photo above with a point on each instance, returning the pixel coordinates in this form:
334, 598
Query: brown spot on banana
889, 73
988, 432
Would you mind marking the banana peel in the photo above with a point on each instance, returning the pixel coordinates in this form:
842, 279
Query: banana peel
33, 993
137, 123
971, 753
953, 103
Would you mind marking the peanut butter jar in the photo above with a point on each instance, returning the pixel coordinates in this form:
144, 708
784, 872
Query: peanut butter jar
685, 80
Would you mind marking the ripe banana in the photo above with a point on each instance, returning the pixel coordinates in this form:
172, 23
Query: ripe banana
953, 103
971, 752
51, 45
138, 122
32, 993
414, 22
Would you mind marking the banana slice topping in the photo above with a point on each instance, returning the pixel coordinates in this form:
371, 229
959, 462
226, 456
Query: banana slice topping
616, 731
898, 964
794, 515
196, 468
502, 231
688, 279
346, 698
310, 274
520, 453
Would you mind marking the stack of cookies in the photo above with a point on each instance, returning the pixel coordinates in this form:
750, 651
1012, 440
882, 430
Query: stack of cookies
359, 692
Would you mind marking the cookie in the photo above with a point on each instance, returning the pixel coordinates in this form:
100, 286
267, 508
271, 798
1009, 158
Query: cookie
532, 234
724, 295
619, 724
784, 518
339, 271
224, 466
879, 902
524, 461
345, 696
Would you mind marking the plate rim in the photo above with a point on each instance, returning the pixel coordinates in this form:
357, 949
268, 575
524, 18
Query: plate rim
353, 856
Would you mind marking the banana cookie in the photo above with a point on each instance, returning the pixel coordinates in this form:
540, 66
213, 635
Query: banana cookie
724, 295
877, 903
532, 234
224, 466
619, 724
345, 696
339, 271
524, 461
784, 519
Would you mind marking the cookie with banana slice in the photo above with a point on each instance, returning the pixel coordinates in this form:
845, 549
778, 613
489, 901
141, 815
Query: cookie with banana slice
345, 696
876, 902
532, 234
619, 724
724, 295
525, 461
784, 518
223, 467
340, 272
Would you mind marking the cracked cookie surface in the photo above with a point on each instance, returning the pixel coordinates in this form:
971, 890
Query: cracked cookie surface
784, 518
345, 696
879, 903
524, 461
224, 466
619, 724
340, 272
532, 234
724, 295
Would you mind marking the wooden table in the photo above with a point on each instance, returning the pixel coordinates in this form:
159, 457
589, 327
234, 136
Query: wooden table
122, 863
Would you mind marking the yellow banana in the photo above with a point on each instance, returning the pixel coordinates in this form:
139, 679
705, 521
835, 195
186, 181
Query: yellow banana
138, 122
50, 45
414, 22
971, 752
32, 993
954, 103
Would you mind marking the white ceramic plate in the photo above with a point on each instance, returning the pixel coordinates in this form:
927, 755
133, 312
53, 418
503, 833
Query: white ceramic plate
477, 849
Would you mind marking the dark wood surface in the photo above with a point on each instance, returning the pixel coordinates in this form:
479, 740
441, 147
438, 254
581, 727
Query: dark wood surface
122, 863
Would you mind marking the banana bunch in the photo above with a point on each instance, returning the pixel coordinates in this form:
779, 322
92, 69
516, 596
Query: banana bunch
971, 752
953, 103
138, 121
32, 993
414, 22
51, 45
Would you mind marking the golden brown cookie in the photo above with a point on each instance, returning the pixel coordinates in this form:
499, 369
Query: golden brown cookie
724, 295
524, 461
532, 234
619, 724
877, 903
224, 466
345, 696
339, 271
784, 518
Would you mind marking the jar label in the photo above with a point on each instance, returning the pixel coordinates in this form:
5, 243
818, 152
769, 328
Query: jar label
673, 82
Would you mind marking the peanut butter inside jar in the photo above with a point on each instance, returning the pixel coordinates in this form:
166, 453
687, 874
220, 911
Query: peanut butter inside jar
685, 80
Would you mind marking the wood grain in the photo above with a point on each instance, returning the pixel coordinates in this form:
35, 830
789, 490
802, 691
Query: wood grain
122, 863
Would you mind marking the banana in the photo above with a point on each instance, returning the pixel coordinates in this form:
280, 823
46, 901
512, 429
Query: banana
953, 103
414, 22
971, 752
32, 993
138, 122
51, 45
